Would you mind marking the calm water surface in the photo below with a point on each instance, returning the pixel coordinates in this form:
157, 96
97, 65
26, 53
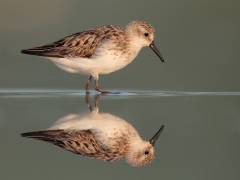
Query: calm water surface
194, 93
200, 139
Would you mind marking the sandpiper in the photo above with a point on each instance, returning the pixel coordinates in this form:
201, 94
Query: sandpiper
100, 136
99, 51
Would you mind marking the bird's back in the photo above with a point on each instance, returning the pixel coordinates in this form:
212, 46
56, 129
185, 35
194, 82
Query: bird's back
80, 142
82, 44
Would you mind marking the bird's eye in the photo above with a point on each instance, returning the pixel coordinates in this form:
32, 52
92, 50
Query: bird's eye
146, 34
146, 152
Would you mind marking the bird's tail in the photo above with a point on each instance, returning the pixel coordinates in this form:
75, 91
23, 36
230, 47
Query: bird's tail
32, 52
50, 136
39, 51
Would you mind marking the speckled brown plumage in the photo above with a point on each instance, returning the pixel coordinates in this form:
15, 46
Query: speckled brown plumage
99, 51
79, 142
82, 44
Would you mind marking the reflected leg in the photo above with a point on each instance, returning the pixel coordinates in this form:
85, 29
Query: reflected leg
87, 86
87, 99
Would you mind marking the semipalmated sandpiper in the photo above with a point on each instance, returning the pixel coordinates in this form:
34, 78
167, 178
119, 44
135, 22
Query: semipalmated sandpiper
99, 51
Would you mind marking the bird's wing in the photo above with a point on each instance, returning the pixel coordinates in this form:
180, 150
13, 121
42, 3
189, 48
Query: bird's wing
81, 44
80, 142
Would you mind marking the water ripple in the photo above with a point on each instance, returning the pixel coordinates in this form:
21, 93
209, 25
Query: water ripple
38, 93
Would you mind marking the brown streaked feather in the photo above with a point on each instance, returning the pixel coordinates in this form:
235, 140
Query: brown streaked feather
82, 44
79, 142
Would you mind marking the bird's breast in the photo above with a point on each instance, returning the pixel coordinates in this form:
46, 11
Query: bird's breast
112, 57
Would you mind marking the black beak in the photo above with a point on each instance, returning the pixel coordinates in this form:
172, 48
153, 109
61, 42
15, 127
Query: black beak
154, 48
156, 136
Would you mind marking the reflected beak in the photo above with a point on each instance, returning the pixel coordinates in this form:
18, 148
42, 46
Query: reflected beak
156, 136
154, 48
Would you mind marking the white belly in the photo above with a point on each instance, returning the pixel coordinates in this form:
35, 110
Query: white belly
90, 66
103, 125
104, 61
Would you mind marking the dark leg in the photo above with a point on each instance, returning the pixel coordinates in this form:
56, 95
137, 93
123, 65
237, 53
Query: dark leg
96, 100
87, 98
97, 88
88, 101
87, 86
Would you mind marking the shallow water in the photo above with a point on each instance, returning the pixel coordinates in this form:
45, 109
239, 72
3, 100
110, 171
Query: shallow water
200, 139
195, 93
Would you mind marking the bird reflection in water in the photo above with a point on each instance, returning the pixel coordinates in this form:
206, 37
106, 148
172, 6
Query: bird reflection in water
100, 136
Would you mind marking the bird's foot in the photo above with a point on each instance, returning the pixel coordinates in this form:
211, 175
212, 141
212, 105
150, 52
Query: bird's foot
101, 90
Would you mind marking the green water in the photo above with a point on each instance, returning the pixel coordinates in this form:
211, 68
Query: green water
194, 93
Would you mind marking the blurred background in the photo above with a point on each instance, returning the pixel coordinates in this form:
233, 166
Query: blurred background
198, 39
194, 93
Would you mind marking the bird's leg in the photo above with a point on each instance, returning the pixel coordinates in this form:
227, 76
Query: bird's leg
96, 100
97, 88
87, 99
87, 86
96, 103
